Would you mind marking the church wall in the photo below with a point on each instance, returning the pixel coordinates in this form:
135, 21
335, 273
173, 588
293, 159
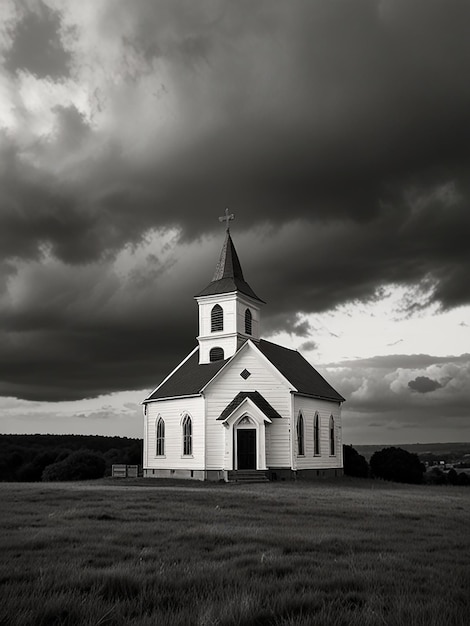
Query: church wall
222, 391
172, 412
309, 406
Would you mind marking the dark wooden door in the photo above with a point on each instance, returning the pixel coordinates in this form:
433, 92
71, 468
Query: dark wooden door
246, 448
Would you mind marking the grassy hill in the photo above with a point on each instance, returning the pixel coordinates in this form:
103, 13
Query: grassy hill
140, 553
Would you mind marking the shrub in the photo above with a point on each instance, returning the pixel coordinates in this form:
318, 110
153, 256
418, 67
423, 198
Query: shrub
452, 477
435, 476
354, 463
80, 465
462, 479
32, 472
398, 465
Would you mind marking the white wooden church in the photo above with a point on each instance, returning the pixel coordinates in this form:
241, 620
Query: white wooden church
239, 406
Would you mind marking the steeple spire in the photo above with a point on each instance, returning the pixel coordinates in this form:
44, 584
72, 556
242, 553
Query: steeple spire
228, 276
229, 264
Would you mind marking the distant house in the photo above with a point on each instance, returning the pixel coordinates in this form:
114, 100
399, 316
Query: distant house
238, 405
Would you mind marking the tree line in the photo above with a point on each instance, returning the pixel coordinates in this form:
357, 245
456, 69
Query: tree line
398, 465
32, 458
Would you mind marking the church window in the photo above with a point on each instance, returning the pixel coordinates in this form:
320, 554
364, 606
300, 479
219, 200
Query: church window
187, 436
332, 436
216, 354
316, 435
248, 322
245, 374
300, 435
217, 318
160, 441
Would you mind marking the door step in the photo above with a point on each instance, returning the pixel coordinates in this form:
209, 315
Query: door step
248, 476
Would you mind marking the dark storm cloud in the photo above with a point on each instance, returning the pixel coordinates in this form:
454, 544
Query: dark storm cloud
76, 332
291, 323
37, 47
423, 384
402, 384
338, 132
86, 362
308, 345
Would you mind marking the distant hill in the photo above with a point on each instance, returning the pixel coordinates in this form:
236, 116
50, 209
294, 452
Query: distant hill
447, 452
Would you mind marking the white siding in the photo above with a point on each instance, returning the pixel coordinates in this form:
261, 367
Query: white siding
310, 406
222, 391
228, 343
242, 305
226, 338
228, 302
172, 412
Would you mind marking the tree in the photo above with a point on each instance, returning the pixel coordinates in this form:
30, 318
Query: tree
32, 472
80, 465
463, 479
452, 477
398, 465
354, 463
435, 476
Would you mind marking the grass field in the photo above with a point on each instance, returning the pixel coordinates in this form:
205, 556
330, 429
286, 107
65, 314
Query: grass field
152, 552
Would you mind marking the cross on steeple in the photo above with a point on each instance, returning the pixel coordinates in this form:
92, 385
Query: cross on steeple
227, 218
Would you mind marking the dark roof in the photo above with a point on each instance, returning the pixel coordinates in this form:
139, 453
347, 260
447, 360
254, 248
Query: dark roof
191, 377
188, 380
257, 398
228, 274
298, 371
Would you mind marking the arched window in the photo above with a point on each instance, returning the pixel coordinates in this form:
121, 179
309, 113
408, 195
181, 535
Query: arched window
248, 322
187, 436
300, 435
216, 354
332, 436
217, 318
160, 441
316, 435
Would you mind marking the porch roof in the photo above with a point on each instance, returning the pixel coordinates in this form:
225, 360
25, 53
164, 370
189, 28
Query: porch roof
261, 402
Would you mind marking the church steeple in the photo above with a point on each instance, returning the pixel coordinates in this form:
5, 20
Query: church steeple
228, 307
228, 274
229, 264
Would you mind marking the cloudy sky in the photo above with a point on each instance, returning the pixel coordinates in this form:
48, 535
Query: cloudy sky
338, 133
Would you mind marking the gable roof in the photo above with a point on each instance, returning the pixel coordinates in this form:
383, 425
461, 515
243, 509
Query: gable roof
255, 397
228, 274
298, 371
188, 379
